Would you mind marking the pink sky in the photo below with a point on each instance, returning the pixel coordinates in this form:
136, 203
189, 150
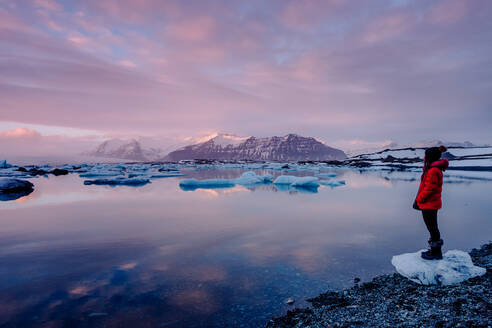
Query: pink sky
81, 71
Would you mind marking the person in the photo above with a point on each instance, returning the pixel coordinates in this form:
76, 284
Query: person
429, 198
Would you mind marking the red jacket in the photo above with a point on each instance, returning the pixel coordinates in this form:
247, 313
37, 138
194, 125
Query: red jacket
429, 195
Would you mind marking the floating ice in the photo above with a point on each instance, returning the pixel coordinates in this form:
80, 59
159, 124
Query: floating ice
299, 189
11, 189
4, 164
332, 183
248, 178
192, 184
455, 267
166, 175
118, 181
297, 181
325, 175
96, 174
12, 185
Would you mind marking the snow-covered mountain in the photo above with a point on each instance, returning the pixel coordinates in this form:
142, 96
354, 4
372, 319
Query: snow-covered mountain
126, 149
392, 145
291, 147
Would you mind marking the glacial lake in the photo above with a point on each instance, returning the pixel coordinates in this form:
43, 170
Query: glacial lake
73, 255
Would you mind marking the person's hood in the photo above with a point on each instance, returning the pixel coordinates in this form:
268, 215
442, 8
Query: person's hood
441, 164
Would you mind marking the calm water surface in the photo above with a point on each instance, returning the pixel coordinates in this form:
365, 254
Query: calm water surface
157, 256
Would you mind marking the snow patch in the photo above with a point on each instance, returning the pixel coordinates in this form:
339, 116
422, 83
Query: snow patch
224, 140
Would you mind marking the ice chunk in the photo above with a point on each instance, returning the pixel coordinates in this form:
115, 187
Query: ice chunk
297, 181
332, 183
285, 180
4, 164
306, 182
248, 178
301, 189
192, 184
166, 175
11, 189
118, 181
325, 175
455, 267
13, 185
97, 174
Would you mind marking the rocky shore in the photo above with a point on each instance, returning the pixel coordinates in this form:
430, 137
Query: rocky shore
394, 301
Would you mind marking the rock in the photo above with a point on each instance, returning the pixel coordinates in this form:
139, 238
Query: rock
58, 172
395, 301
455, 267
290, 301
35, 171
11, 189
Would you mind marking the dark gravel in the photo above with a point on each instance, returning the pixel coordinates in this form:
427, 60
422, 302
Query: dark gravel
394, 301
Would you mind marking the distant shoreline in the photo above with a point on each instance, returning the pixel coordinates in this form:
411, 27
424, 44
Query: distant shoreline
394, 301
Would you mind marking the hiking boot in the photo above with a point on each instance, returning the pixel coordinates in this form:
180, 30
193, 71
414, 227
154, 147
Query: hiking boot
434, 252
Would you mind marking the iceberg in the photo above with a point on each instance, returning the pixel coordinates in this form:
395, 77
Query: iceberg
249, 178
325, 175
118, 181
5, 165
456, 266
302, 190
297, 181
96, 174
166, 175
332, 183
11, 189
192, 184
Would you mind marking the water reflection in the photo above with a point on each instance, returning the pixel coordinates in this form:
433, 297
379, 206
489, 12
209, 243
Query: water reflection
76, 255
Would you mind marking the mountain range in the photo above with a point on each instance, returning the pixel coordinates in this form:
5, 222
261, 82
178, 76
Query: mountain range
291, 147
126, 149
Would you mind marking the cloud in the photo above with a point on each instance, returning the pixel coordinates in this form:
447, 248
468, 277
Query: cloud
193, 30
388, 27
330, 69
127, 63
22, 141
47, 4
20, 133
448, 12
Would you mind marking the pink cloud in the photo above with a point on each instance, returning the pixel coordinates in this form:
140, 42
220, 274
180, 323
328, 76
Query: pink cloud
448, 12
221, 65
305, 14
388, 27
10, 21
20, 133
127, 63
194, 29
47, 4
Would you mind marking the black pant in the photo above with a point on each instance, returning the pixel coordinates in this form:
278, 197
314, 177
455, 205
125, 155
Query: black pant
430, 219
